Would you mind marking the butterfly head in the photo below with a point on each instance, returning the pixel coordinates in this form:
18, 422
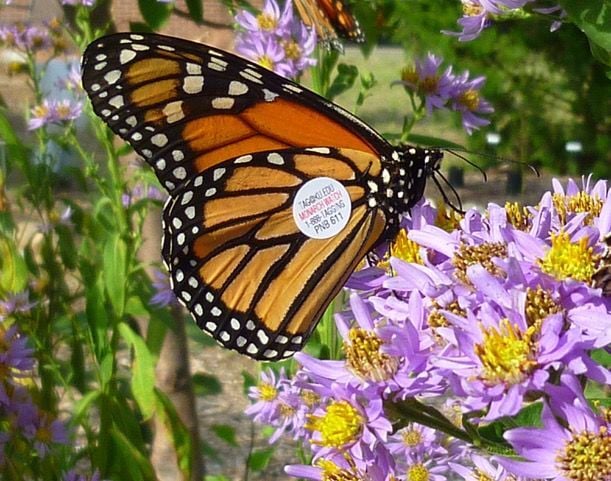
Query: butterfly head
415, 166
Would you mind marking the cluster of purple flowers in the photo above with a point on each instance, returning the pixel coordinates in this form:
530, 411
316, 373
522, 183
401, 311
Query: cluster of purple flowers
31, 39
52, 111
472, 319
276, 39
23, 425
439, 90
76, 3
479, 15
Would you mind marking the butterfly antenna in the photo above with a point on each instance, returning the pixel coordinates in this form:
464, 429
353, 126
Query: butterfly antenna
446, 199
453, 150
472, 164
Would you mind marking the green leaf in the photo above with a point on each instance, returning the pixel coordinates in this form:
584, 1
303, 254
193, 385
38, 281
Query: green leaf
106, 369
115, 272
344, 80
81, 407
206, 385
196, 10
15, 149
67, 248
96, 315
248, 381
14, 270
216, 478
259, 459
181, 439
143, 371
155, 13
130, 459
226, 433
135, 307
594, 19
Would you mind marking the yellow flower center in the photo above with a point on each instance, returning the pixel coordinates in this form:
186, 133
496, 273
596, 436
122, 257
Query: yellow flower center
267, 391
340, 425
417, 472
518, 216
471, 9
587, 457
364, 357
292, 50
479, 476
266, 22
482, 254
566, 259
409, 74
412, 437
402, 248
438, 319
309, 398
286, 411
470, 99
266, 62
429, 85
332, 472
447, 219
506, 353
539, 305
579, 203
63, 110
40, 111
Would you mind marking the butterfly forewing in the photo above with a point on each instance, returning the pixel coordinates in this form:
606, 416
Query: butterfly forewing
238, 261
186, 107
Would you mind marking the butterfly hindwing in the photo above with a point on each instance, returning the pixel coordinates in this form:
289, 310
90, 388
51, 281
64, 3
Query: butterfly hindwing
185, 106
238, 261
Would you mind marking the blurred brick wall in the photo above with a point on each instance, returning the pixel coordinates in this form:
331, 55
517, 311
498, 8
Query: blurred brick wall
217, 31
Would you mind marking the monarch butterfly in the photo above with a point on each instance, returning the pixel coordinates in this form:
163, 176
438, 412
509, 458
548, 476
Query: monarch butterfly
331, 19
234, 145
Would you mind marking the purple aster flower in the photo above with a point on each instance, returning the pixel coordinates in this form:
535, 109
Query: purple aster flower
85, 3
164, 295
270, 20
479, 13
26, 38
425, 79
15, 357
298, 47
578, 448
140, 192
56, 219
18, 303
264, 50
466, 99
276, 40
482, 468
46, 431
54, 112
265, 397
72, 81
337, 467
73, 475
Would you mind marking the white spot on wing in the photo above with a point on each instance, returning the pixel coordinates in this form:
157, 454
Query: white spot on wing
275, 158
126, 55
193, 84
237, 88
222, 103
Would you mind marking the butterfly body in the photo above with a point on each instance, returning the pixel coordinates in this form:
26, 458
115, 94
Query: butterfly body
331, 19
234, 144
